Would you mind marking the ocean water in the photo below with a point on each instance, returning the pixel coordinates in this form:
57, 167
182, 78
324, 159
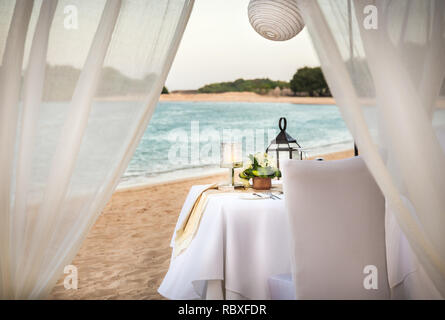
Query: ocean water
183, 138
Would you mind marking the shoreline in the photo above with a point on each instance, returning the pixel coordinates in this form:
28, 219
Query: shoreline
160, 181
244, 97
226, 97
156, 181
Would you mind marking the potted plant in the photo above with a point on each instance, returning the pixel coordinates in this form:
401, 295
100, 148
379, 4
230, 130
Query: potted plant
260, 168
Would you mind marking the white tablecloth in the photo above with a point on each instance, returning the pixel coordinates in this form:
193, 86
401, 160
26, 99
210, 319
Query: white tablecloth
242, 242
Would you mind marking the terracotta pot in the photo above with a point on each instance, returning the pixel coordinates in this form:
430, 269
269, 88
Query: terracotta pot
262, 183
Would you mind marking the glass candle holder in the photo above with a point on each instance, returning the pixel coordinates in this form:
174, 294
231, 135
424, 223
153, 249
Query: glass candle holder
231, 157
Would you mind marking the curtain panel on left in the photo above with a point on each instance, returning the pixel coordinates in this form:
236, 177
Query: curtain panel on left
79, 81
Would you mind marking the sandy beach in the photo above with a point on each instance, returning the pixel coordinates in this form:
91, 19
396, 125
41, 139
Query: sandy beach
127, 252
249, 97
227, 96
254, 97
244, 97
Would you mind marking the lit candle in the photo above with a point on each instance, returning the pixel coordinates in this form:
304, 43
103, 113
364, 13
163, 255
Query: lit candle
231, 157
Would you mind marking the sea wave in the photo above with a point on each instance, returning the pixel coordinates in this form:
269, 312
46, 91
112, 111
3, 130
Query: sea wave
318, 128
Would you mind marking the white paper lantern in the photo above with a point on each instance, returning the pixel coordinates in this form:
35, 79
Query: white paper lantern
277, 20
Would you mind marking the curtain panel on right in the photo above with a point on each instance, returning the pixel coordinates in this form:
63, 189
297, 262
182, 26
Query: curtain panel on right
384, 61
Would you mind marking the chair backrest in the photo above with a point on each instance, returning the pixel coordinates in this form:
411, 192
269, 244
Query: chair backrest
337, 223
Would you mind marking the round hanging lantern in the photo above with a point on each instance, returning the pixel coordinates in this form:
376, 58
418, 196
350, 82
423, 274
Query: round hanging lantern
277, 20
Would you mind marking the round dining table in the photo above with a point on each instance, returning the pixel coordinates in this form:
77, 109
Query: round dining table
242, 240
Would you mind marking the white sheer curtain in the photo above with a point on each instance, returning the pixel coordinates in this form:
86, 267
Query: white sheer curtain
79, 81
389, 84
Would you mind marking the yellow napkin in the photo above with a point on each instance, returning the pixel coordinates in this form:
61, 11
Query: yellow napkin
187, 230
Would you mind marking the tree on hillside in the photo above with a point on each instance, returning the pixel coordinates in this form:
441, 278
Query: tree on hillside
310, 80
261, 86
164, 90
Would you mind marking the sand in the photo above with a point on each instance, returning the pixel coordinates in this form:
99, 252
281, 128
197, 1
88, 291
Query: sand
254, 97
127, 252
248, 97
244, 97
226, 96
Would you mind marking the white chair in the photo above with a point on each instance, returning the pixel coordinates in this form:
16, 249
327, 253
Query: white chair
281, 287
337, 224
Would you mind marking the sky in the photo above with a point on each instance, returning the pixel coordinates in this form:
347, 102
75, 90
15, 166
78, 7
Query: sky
219, 44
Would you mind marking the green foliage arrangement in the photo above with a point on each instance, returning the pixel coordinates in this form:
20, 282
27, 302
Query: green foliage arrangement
259, 165
261, 86
310, 80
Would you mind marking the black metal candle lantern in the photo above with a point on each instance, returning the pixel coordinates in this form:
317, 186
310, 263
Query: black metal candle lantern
284, 146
